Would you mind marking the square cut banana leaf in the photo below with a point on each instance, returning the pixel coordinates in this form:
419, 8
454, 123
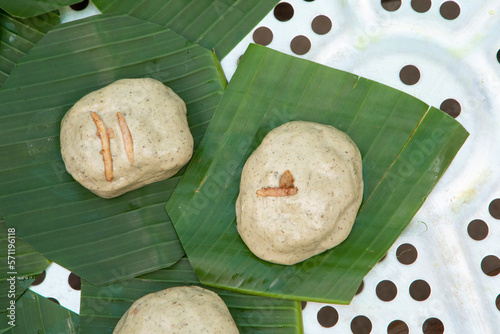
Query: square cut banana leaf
406, 147
102, 307
100, 240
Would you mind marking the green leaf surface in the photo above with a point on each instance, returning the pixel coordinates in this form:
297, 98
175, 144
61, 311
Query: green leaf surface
29, 8
18, 36
100, 240
102, 307
19, 264
405, 144
214, 24
37, 314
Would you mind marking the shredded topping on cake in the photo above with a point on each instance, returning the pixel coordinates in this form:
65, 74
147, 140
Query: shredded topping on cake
106, 150
127, 137
286, 187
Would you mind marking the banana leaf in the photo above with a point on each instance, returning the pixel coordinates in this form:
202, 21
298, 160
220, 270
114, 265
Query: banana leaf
22, 264
37, 314
29, 8
405, 144
215, 24
18, 36
102, 307
100, 240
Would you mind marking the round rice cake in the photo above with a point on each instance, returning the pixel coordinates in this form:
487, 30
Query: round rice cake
300, 192
184, 309
128, 134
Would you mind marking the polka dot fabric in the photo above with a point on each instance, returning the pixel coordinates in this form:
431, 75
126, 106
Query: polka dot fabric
443, 274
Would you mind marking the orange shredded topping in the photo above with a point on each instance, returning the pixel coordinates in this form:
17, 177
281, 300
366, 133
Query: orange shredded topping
286, 187
127, 137
106, 150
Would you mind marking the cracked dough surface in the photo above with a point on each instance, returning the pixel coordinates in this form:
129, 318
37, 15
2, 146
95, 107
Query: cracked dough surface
327, 168
156, 118
186, 310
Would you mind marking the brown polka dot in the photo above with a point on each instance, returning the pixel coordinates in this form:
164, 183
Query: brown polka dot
409, 75
449, 10
80, 5
494, 208
53, 299
433, 326
497, 302
386, 290
263, 36
420, 290
451, 107
421, 6
303, 304
477, 229
498, 56
383, 258
283, 11
406, 254
391, 5
361, 286
74, 282
39, 279
490, 265
321, 24
361, 325
327, 316
300, 45
398, 327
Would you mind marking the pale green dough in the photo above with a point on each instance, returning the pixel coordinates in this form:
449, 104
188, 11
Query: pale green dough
327, 168
157, 120
178, 310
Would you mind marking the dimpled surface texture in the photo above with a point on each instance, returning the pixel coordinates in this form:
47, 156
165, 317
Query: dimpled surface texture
326, 166
184, 309
156, 117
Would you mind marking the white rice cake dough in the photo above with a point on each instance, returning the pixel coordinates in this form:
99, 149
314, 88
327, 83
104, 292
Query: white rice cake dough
185, 309
156, 119
327, 168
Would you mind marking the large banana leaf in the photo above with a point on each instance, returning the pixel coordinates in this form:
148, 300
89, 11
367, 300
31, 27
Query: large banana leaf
18, 36
99, 240
23, 264
29, 8
405, 144
214, 24
37, 314
102, 307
